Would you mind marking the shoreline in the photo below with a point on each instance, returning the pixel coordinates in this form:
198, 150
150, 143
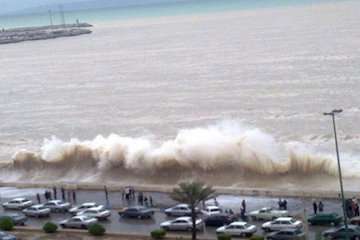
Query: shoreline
220, 190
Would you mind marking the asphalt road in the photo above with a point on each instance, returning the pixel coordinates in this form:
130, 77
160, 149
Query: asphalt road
116, 224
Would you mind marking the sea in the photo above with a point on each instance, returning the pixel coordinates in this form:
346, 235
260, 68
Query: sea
229, 92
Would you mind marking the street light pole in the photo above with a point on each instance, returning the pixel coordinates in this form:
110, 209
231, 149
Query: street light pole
332, 114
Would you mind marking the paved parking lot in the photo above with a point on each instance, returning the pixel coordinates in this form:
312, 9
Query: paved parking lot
116, 224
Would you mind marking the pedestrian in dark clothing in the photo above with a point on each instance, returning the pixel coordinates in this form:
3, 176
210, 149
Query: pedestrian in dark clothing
285, 204
315, 207
55, 192
243, 205
321, 206
106, 194
146, 201
74, 196
280, 203
63, 194
242, 213
38, 198
357, 211
151, 201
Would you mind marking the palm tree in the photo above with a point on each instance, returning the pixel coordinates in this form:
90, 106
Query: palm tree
192, 193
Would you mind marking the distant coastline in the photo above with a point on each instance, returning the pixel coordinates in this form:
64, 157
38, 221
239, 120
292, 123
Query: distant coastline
16, 35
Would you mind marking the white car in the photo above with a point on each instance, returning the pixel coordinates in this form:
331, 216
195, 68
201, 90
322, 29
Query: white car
17, 203
211, 210
181, 224
282, 223
84, 206
37, 211
97, 212
58, 205
268, 213
237, 229
179, 210
81, 222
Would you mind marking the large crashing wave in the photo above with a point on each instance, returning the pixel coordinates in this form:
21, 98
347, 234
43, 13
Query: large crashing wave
222, 148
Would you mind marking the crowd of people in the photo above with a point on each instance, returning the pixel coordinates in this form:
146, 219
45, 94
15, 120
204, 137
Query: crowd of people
66, 195
129, 195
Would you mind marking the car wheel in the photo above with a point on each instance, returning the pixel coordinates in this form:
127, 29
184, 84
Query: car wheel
63, 225
267, 229
83, 226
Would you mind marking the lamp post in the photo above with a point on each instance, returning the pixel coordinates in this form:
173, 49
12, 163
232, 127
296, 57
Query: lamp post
332, 114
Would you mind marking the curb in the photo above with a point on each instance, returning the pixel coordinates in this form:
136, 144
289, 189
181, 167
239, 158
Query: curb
114, 235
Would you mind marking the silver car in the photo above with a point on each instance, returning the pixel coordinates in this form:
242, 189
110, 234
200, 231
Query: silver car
96, 212
181, 224
84, 206
17, 203
237, 229
81, 222
282, 223
37, 211
180, 210
58, 206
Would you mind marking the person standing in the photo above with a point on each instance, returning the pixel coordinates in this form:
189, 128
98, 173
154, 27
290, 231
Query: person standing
315, 207
321, 206
38, 198
63, 193
74, 196
151, 201
55, 192
243, 205
106, 194
285, 204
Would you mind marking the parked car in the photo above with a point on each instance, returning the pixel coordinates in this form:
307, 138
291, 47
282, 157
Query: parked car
84, 206
6, 236
137, 212
179, 210
237, 229
287, 234
97, 212
355, 221
211, 210
37, 211
218, 220
17, 203
81, 222
282, 223
181, 224
340, 233
268, 213
18, 219
58, 205
325, 218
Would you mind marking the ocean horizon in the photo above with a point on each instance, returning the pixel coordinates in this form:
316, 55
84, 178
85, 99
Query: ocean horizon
98, 14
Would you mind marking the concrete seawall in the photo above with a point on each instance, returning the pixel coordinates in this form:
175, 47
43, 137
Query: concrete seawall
16, 35
168, 188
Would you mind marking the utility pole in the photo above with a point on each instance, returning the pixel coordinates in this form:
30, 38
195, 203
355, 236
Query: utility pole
332, 114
